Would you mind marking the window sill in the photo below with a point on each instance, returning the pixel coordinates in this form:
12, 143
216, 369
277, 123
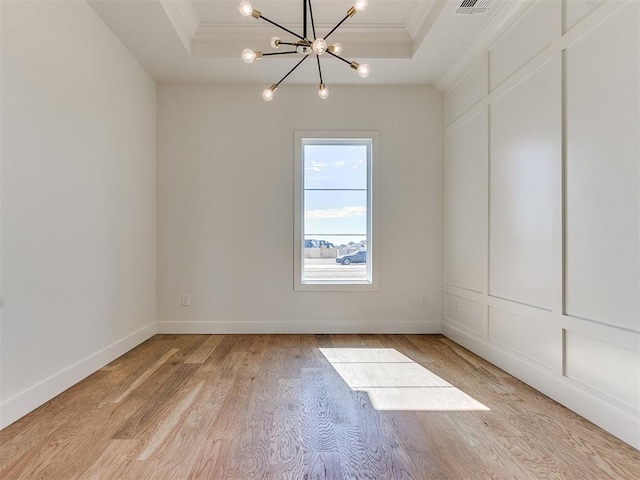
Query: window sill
354, 286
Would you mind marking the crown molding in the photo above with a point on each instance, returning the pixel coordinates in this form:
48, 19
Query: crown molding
183, 18
227, 42
428, 20
224, 40
423, 14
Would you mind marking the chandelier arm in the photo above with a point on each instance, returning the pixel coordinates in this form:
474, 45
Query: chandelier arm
337, 56
291, 71
282, 28
313, 25
319, 69
336, 27
278, 53
304, 18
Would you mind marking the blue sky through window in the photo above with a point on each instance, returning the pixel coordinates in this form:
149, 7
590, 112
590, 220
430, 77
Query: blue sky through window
335, 197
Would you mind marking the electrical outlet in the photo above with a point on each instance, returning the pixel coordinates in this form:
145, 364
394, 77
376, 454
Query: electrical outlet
424, 302
185, 301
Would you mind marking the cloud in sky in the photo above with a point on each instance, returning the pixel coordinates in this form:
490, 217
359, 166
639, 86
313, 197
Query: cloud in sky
343, 212
315, 166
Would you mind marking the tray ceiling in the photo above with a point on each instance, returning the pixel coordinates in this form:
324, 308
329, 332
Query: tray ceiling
408, 41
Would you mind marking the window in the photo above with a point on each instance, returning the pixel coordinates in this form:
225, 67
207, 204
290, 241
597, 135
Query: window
335, 206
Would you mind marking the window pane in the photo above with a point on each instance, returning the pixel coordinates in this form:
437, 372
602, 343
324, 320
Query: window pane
335, 258
335, 166
333, 178
327, 212
337, 241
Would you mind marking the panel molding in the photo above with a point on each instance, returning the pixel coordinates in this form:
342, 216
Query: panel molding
521, 76
621, 421
600, 164
522, 158
472, 112
510, 338
460, 326
531, 312
601, 407
464, 292
618, 336
494, 29
496, 50
499, 27
591, 22
611, 371
482, 65
459, 310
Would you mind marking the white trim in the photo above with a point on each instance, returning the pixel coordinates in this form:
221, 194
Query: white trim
603, 332
466, 293
222, 40
301, 327
581, 399
373, 264
182, 16
24, 402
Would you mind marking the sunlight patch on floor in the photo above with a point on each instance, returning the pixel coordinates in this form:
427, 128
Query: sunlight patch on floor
395, 382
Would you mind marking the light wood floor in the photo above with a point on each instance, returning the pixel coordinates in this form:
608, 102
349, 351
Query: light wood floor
273, 406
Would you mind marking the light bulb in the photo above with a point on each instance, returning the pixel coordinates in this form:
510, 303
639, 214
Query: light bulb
275, 42
319, 46
248, 55
245, 9
360, 5
323, 91
364, 70
336, 48
267, 93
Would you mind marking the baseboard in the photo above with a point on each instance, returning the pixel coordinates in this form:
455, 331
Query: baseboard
302, 327
617, 421
28, 400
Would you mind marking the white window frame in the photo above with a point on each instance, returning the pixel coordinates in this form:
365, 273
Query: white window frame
373, 264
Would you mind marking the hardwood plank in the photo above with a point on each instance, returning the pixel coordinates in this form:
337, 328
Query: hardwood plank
159, 404
146, 374
276, 407
202, 353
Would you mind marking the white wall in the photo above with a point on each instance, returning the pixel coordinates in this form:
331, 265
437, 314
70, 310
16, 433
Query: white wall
78, 200
542, 207
225, 209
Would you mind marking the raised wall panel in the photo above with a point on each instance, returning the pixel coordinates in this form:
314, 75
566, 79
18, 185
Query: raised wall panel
466, 93
531, 35
524, 125
608, 368
467, 313
530, 338
466, 203
576, 10
558, 108
602, 172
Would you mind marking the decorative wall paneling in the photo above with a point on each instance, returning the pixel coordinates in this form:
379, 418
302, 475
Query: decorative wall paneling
551, 207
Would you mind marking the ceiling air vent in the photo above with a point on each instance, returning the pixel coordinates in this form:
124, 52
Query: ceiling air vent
473, 6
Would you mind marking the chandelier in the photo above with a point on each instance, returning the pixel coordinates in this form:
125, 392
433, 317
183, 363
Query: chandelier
303, 45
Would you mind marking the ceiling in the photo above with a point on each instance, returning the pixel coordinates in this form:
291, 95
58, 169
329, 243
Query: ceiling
404, 41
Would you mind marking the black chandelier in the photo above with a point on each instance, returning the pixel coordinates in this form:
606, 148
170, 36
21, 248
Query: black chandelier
303, 45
